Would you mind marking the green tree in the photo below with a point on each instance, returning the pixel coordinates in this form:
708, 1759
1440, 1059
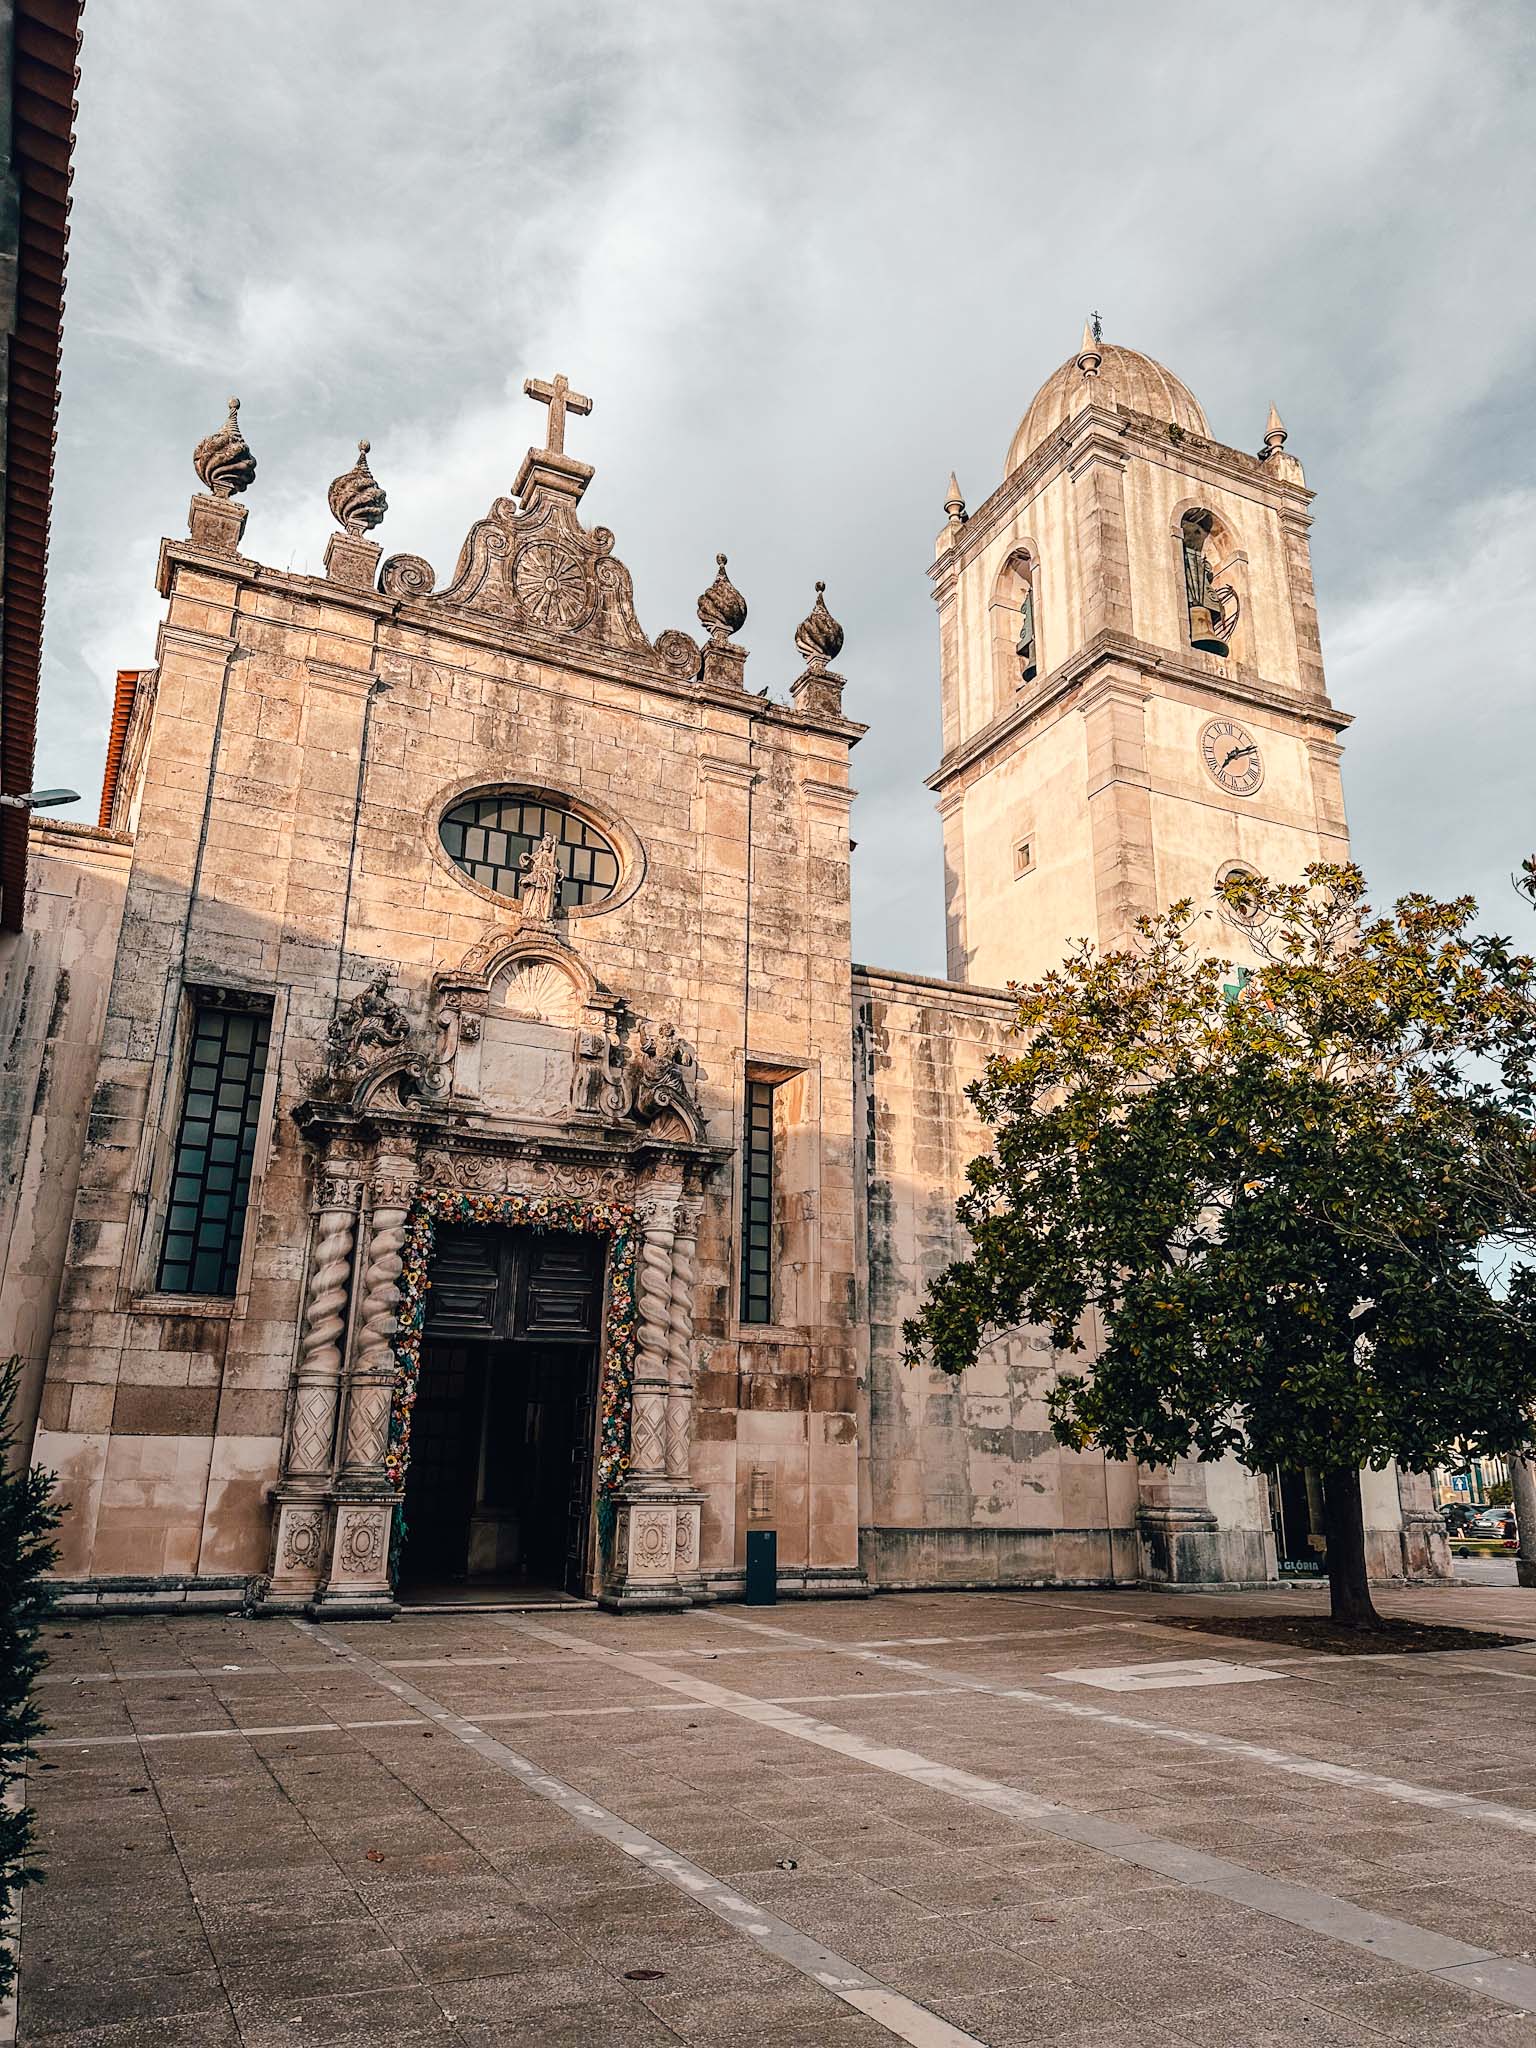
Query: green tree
1262, 1187
27, 1515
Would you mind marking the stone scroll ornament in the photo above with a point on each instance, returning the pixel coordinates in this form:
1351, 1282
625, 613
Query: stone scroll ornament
613, 1220
223, 460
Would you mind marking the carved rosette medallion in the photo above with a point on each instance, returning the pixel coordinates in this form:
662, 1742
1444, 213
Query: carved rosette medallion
554, 585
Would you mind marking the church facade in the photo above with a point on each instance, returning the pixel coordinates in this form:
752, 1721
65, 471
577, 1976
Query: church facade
463, 1158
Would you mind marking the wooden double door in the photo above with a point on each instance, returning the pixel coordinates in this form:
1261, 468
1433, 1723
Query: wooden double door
503, 1436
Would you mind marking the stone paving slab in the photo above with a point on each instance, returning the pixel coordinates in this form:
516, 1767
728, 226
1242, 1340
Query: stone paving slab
258, 1834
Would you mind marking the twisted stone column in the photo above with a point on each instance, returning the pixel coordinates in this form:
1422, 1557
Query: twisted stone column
656, 1217
680, 1341
312, 1430
371, 1383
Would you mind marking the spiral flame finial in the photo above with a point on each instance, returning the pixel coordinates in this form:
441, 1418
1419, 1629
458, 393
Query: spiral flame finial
722, 608
223, 459
819, 637
356, 498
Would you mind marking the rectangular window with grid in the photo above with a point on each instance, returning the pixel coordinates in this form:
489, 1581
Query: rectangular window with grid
757, 1205
205, 1219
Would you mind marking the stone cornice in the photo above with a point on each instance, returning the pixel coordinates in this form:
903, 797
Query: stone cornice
1102, 435
959, 995
833, 793
1151, 662
435, 620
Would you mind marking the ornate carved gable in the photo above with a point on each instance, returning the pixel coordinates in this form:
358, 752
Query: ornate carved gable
543, 570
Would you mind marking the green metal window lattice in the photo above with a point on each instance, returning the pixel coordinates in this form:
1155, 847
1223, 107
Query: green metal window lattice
214, 1147
487, 836
757, 1206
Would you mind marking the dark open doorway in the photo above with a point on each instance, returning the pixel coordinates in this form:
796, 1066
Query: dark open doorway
498, 1493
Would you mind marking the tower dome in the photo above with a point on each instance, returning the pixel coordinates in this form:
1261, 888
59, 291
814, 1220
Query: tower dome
1124, 376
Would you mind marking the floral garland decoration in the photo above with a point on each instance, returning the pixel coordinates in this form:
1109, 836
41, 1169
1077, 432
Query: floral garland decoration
614, 1220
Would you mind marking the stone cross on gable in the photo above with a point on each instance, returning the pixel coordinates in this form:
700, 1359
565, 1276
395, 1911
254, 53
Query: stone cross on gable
560, 399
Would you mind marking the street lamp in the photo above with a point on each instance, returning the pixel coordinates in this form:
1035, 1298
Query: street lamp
39, 799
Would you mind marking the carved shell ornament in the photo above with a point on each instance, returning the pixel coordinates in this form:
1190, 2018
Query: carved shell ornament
722, 608
223, 459
356, 498
819, 637
536, 989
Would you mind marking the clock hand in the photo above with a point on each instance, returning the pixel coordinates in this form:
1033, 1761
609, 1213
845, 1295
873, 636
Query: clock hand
1237, 754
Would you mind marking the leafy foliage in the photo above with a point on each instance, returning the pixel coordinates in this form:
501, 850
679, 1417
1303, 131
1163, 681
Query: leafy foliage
1269, 1194
27, 1515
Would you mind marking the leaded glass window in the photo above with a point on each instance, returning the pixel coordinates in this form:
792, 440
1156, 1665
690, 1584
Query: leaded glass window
757, 1205
487, 837
205, 1220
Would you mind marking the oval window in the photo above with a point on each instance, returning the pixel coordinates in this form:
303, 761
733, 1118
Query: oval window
487, 836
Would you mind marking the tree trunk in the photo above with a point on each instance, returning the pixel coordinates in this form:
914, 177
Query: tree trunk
1349, 1590
1522, 1478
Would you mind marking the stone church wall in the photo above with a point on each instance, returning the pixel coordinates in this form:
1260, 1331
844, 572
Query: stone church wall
54, 978
305, 739
964, 1483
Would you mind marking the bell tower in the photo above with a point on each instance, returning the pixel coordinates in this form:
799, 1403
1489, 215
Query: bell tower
1132, 681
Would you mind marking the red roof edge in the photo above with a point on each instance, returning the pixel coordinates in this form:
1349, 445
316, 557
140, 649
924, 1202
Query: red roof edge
122, 711
43, 81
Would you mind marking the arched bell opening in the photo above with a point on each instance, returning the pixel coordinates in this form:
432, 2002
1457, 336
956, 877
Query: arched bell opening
1213, 567
1014, 619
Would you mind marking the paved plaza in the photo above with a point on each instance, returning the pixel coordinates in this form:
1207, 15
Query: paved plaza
928, 1818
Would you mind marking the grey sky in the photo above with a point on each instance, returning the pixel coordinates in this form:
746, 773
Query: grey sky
806, 258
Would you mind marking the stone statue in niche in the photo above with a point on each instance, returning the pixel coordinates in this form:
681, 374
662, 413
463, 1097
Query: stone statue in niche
661, 1074
363, 1034
542, 877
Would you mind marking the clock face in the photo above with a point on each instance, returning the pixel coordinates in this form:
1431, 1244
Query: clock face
1231, 753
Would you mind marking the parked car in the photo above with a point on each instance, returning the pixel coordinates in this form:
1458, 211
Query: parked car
1493, 1525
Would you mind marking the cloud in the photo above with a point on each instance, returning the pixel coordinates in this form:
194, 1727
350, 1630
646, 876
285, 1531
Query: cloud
806, 260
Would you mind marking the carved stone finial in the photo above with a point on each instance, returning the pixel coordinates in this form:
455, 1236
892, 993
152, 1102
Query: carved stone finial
722, 608
356, 498
223, 460
1274, 435
954, 504
819, 637
1090, 354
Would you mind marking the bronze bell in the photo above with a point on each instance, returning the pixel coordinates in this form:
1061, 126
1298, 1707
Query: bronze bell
1205, 631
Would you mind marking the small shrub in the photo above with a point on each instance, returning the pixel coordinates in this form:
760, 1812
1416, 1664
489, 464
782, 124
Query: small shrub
28, 1514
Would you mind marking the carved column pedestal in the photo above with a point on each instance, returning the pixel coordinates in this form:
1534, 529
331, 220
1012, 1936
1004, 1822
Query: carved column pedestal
301, 1542
655, 1559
